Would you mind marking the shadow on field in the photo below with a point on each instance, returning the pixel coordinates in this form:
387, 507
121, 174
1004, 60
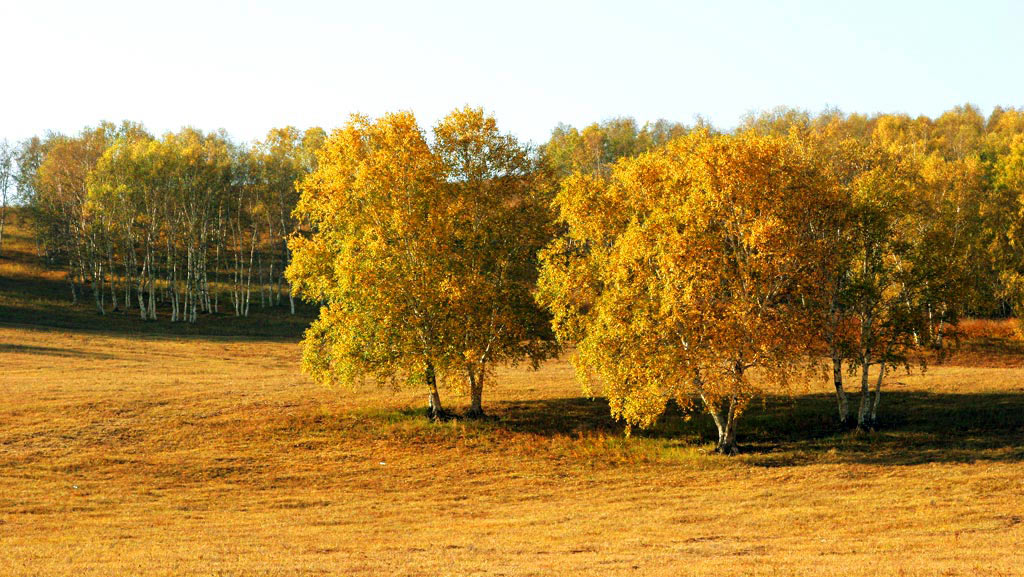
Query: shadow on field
42, 302
913, 428
986, 351
271, 324
52, 351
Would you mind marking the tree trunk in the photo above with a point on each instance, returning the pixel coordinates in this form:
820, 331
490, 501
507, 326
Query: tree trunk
142, 288
941, 333
145, 275
152, 296
837, 379
216, 271
931, 327
129, 279
189, 288
97, 287
725, 422
262, 285
878, 394
864, 412
114, 306
3, 219
248, 282
71, 283
435, 410
476, 394
173, 283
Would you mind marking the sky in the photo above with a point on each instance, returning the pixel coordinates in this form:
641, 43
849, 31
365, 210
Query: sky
250, 66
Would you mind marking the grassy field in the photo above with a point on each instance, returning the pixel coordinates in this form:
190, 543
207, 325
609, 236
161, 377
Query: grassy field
128, 450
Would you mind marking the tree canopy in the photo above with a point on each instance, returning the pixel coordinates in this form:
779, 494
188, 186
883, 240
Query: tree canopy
687, 268
420, 254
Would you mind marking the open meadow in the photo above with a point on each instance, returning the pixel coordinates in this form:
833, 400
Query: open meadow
214, 456
129, 453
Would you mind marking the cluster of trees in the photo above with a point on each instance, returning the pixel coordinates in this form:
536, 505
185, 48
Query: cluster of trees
177, 221
424, 253
681, 263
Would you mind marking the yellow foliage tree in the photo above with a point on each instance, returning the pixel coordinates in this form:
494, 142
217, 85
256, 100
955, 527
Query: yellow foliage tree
1009, 238
423, 257
874, 275
503, 223
687, 270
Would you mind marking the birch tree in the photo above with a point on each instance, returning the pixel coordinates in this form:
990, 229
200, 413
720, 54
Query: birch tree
378, 258
885, 279
503, 226
28, 157
421, 256
280, 161
871, 269
59, 208
946, 236
842, 162
7, 164
129, 184
1008, 239
686, 270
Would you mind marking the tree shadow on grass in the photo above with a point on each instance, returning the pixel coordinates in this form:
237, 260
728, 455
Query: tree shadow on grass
272, 324
52, 351
778, 431
569, 416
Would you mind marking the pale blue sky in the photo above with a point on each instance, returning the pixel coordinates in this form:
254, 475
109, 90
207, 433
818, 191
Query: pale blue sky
249, 66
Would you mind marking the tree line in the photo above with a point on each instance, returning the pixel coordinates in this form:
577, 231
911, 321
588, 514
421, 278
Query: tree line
175, 223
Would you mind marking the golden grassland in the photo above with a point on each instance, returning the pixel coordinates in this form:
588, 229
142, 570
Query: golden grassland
182, 454
214, 456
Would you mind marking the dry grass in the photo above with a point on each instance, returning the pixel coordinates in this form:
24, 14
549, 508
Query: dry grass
214, 456
974, 329
178, 454
988, 342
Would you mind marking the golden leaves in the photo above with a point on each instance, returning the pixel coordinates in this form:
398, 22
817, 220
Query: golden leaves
423, 252
682, 269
